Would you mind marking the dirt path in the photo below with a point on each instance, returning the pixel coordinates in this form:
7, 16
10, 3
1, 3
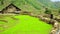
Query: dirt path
58, 30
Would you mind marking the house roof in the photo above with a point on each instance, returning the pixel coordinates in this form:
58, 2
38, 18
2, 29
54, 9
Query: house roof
11, 5
4, 6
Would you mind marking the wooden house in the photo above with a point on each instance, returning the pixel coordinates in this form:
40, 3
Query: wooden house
11, 8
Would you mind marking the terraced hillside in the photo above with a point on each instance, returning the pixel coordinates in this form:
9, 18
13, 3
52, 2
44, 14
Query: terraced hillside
25, 24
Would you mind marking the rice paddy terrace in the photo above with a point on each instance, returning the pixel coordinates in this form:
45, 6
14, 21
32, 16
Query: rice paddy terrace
23, 24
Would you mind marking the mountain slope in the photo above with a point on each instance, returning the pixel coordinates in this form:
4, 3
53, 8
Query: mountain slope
30, 5
25, 5
57, 4
47, 3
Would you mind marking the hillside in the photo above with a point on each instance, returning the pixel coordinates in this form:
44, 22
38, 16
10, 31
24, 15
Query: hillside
57, 4
24, 3
36, 6
37, 18
48, 3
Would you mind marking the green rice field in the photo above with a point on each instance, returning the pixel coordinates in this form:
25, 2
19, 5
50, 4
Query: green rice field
23, 24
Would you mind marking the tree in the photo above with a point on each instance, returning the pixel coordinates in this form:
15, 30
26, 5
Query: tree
12, 1
2, 2
59, 11
47, 11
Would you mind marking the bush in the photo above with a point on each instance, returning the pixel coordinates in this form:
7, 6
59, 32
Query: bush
47, 11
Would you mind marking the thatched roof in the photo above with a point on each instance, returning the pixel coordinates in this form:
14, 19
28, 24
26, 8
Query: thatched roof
10, 5
7, 5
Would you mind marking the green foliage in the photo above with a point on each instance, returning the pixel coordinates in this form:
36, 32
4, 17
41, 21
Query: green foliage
50, 4
2, 2
57, 4
35, 6
59, 11
48, 11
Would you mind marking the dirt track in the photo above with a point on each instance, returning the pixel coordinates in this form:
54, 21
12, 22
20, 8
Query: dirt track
58, 32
